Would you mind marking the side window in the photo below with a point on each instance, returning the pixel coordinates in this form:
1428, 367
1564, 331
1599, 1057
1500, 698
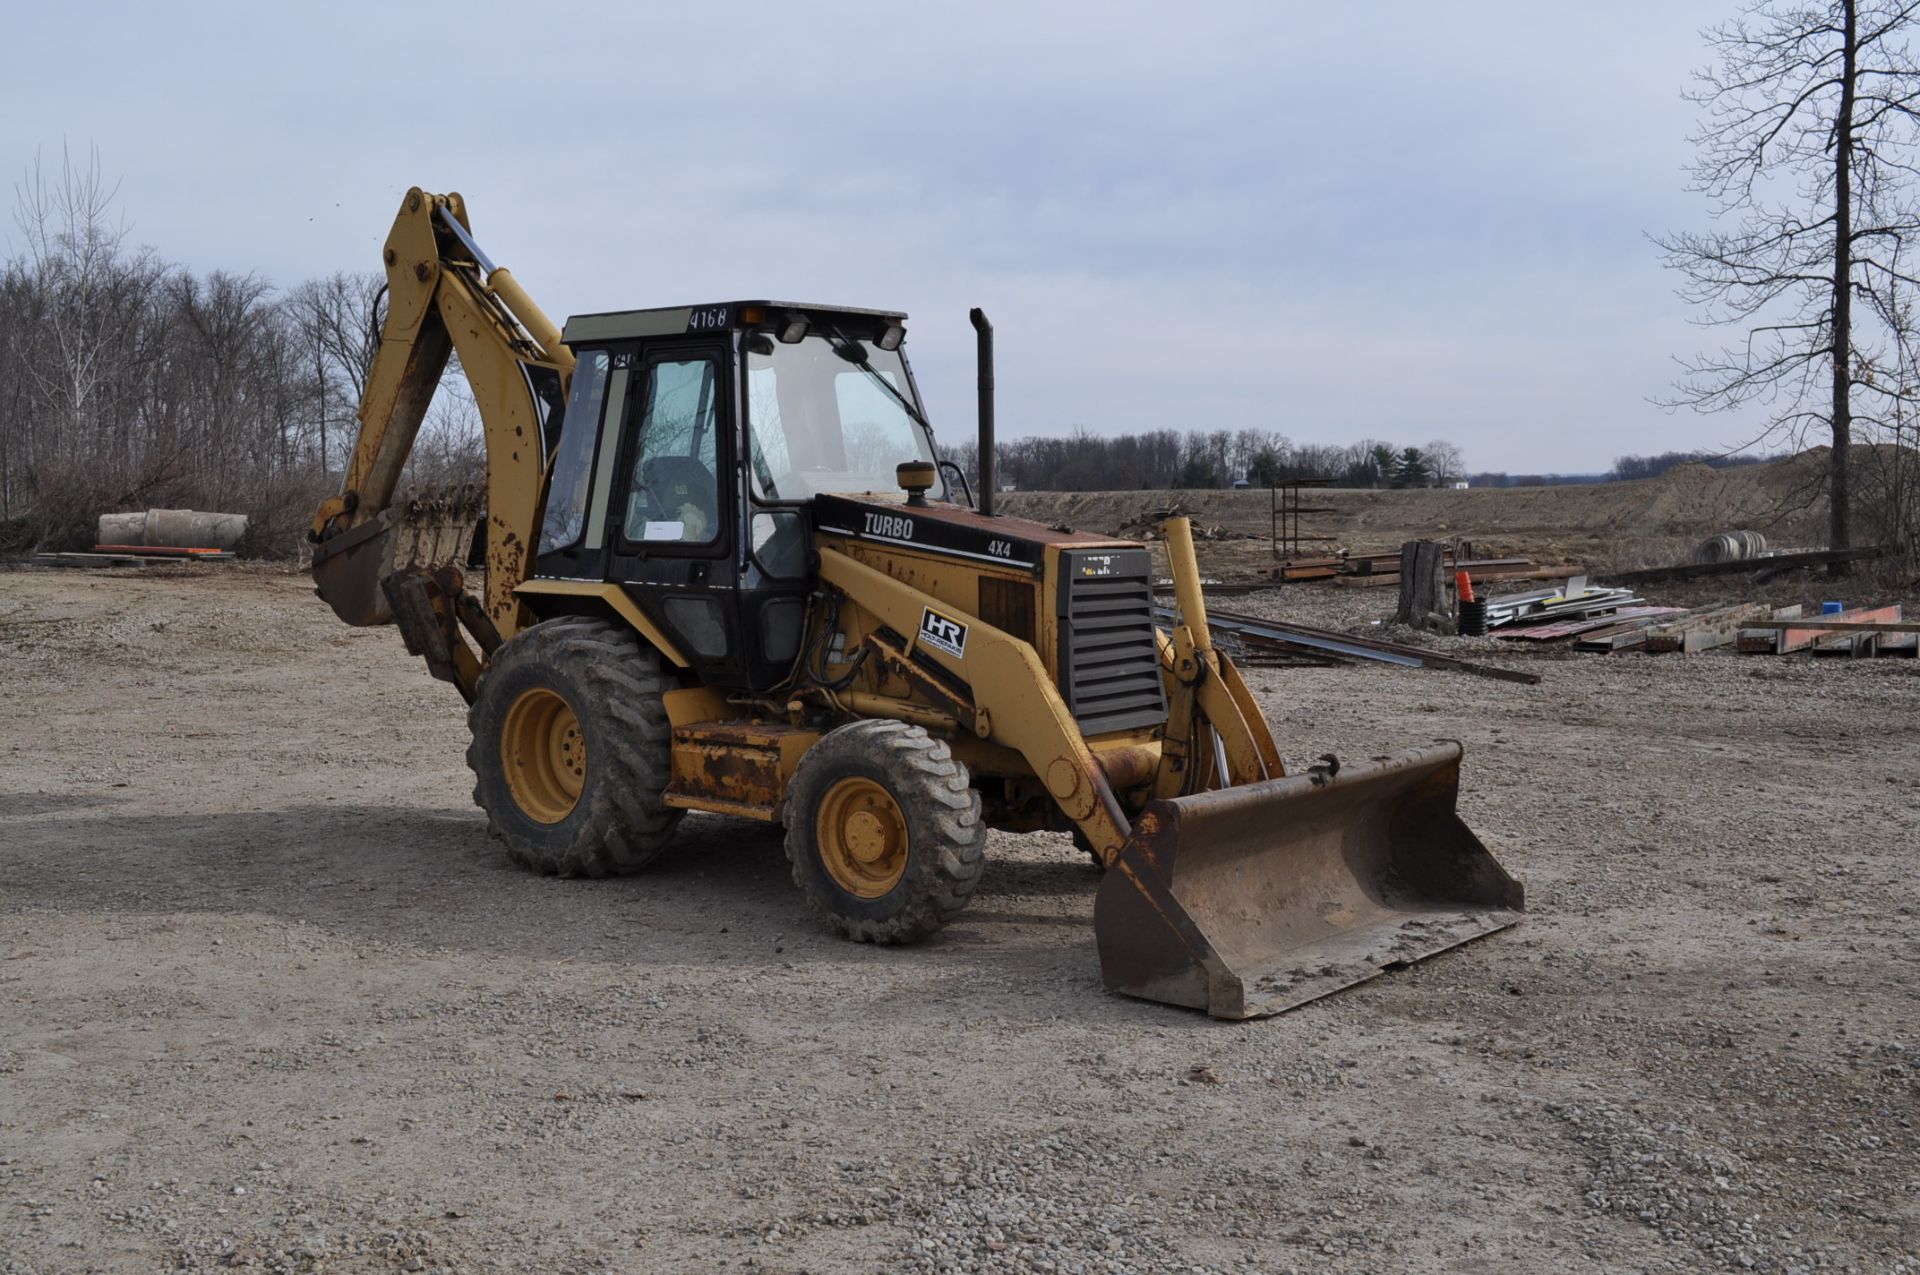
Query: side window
573, 461
675, 491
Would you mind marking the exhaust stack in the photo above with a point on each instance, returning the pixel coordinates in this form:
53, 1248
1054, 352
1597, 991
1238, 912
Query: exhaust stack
983, 353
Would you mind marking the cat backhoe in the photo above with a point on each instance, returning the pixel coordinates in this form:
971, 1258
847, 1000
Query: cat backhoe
725, 572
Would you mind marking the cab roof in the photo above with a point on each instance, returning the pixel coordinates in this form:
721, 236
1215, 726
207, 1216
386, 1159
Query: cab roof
625, 325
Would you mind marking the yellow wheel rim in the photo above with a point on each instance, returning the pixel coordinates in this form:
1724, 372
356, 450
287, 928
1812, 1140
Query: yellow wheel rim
544, 754
862, 838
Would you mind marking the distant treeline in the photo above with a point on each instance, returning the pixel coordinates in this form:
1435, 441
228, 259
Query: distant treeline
1167, 458
127, 381
1630, 467
1085, 461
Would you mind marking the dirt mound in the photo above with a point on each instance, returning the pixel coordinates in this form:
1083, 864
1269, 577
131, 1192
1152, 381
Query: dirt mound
1619, 524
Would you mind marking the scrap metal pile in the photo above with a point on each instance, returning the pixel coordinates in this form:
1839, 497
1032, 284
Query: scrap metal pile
1601, 619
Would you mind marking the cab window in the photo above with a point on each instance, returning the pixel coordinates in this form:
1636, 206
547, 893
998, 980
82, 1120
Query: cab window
675, 492
573, 460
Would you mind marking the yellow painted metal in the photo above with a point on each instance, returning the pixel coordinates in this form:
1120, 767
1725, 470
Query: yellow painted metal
413, 352
952, 584
438, 303
1259, 735
691, 704
544, 755
516, 461
736, 767
720, 806
866, 704
503, 285
862, 836
1009, 684
615, 599
1181, 670
1205, 693
1185, 569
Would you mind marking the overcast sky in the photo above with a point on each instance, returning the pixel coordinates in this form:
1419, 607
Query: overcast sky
1398, 220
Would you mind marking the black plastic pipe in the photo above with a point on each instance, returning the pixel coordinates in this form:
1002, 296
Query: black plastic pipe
984, 356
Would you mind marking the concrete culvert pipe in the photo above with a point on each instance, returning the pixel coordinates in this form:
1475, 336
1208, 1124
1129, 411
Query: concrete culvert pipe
173, 529
1732, 546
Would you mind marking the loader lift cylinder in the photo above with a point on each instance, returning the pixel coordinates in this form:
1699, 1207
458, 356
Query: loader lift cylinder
983, 354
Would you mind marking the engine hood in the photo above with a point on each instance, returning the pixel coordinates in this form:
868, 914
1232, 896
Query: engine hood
949, 529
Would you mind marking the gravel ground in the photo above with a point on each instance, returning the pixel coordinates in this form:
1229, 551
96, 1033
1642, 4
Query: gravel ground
270, 999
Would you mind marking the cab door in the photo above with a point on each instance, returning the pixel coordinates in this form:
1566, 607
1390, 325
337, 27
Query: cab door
672, 529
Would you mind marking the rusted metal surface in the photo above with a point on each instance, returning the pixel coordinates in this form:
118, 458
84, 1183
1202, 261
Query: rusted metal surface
736, 768
1364, 648
943, 691
349, 569
427, 607
1559, 629
1799, 637
1759, 566
1252, 900
1129, 766
426, 528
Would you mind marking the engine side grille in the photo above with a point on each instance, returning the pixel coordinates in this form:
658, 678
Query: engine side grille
1109, 659
1008, 606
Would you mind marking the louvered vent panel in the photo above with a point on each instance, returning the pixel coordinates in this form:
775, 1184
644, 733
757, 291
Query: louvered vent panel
1109, 660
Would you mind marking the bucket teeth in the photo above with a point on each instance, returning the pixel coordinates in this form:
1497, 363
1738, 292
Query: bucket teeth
425, 528
1250, 901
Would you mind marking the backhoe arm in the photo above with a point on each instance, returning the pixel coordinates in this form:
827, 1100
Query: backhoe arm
444, 295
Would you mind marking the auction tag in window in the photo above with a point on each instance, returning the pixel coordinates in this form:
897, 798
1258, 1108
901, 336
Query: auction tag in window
665, 530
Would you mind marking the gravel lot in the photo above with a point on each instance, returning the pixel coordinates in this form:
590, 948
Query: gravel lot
270, 999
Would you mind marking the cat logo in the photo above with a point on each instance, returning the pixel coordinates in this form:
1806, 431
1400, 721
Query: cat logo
942, 634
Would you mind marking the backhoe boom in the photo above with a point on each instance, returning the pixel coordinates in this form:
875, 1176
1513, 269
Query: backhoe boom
444, 296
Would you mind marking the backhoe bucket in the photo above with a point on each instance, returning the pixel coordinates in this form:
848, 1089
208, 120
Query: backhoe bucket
1249, 901
425, 528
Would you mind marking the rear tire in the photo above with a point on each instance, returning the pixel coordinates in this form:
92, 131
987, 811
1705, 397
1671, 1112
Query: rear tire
884, 832
571, 749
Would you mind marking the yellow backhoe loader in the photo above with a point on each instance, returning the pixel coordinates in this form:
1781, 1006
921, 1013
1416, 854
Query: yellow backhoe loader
725, 572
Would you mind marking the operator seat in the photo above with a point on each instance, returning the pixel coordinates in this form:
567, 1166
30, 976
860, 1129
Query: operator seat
671, 482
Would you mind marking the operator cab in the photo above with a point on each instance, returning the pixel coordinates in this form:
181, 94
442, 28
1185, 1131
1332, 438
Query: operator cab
693, 443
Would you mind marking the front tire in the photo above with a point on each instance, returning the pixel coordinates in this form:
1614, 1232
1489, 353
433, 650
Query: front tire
571, 749
884, 832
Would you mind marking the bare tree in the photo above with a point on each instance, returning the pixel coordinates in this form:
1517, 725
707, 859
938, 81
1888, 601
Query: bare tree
337, 317
1812, 115
1445, 462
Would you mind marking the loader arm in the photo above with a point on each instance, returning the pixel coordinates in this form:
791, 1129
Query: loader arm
1237, 888
444, 296
1014, 701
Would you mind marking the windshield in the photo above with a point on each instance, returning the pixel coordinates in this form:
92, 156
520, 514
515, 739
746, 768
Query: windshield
818, 423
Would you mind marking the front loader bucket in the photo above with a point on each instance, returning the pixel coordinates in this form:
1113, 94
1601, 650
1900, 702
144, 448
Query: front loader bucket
1249, 901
